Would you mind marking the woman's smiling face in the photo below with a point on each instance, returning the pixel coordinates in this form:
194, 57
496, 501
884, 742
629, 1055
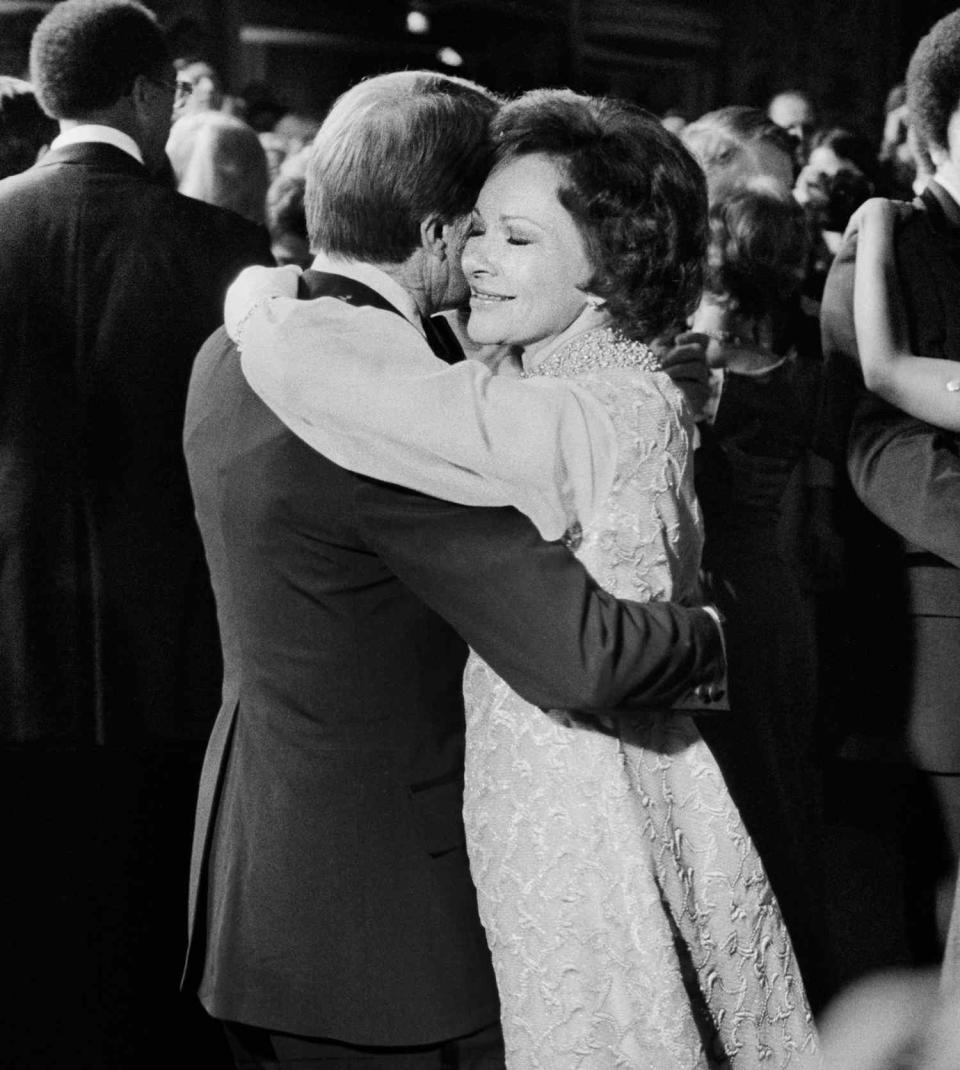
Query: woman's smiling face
524, 257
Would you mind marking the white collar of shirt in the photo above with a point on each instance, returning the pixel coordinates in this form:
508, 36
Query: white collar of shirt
948, 186
93, 133
376, 279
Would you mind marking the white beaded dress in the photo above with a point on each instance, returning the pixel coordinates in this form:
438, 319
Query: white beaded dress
629, 917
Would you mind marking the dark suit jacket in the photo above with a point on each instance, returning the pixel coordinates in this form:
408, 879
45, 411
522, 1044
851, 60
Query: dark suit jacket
331, 894
110, 281
907, 474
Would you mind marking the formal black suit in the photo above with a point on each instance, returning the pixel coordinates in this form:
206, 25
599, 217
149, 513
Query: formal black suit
332, 895
903, 525
109, 655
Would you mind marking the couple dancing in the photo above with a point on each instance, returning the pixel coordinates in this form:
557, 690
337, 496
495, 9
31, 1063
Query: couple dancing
333, 916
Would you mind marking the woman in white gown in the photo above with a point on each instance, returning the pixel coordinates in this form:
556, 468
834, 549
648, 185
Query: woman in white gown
629, 917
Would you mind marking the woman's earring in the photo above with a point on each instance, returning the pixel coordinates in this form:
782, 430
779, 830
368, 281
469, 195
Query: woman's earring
595, 302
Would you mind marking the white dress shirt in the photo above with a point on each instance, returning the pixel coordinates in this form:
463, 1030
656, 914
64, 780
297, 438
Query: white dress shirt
94, 133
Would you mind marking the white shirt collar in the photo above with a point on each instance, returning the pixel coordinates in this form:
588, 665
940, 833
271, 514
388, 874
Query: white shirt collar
376, 279
948, 185
87, 133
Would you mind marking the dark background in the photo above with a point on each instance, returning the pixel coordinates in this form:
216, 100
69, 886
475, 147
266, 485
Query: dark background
693, 55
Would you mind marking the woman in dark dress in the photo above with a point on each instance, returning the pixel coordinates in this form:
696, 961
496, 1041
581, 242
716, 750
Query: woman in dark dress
757, 482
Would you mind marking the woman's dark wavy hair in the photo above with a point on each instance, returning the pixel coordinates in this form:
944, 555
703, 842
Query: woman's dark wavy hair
637, 196
933, 82
758, 249
394, 150
85, 54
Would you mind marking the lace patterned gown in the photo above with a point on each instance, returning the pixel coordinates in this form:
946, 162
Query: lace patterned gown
629, 917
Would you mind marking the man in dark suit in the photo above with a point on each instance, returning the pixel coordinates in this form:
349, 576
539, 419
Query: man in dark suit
905, 543
109, 656
333, 916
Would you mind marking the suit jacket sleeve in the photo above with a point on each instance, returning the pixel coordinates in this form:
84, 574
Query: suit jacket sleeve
532, 611
905, 472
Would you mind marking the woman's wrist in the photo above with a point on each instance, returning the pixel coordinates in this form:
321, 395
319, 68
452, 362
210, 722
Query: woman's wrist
252, 290
260, 304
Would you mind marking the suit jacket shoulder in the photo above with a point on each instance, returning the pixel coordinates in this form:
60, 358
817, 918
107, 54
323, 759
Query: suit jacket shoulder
100, 186
236, 236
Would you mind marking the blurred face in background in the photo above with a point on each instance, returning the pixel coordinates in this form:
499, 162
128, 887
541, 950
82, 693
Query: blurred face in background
754, 163
524, 257
824, 163
830, 188
198, 89
794, 113
771, 162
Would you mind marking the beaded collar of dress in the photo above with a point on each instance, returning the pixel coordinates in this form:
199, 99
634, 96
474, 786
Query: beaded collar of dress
596, 350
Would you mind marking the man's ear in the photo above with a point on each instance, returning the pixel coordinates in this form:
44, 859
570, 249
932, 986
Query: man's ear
140, 90
437, 237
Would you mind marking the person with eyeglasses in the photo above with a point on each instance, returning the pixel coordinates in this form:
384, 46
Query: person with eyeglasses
199, 88
109, 655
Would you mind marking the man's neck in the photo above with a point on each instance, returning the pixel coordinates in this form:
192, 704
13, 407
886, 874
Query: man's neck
116, 118
410, 277
389, 280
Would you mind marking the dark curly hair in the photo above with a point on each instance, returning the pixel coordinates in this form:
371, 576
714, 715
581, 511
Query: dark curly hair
933, 82
638, 198
85, 54
758, 249
24, 129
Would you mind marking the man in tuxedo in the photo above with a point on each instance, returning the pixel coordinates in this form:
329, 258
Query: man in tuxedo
109, 655
332, 914
904, 516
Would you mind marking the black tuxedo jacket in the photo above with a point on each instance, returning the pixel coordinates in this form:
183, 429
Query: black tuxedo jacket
905, 544
110, 281
330, 893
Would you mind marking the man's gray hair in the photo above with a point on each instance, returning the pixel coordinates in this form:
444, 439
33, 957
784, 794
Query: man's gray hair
395, 150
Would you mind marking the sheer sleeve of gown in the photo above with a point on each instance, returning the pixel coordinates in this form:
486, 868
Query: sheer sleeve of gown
361, 386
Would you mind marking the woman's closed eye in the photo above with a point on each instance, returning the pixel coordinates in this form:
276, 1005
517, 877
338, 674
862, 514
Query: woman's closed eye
518, 236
